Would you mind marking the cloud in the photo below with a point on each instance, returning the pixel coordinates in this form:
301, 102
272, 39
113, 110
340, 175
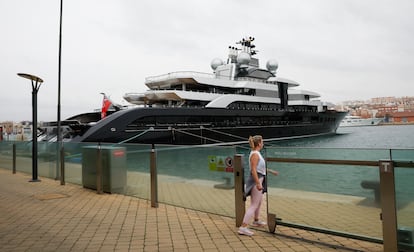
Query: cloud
345, 49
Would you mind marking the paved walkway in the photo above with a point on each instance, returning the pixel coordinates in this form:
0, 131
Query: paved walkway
46, 216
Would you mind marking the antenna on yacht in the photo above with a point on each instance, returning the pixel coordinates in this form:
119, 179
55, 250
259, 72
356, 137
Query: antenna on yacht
248, 45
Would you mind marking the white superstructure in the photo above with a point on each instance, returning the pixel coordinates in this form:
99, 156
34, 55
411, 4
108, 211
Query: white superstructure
238, 81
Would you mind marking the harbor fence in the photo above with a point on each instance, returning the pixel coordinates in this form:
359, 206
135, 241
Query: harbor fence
364, 194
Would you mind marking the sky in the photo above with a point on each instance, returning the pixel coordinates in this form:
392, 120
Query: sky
342, 49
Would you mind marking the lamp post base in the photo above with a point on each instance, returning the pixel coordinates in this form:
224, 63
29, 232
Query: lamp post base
34, 180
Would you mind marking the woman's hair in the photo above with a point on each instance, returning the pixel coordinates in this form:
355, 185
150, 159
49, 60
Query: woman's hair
254, 141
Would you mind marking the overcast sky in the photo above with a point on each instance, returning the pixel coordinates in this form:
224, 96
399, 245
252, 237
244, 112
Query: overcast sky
341, 49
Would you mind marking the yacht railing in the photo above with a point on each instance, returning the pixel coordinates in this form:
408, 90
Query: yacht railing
191, 74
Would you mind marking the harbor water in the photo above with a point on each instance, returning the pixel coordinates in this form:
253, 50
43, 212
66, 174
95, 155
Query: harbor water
370, 143
388, 137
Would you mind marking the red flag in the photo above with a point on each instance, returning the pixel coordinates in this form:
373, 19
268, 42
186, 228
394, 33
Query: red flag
106, 103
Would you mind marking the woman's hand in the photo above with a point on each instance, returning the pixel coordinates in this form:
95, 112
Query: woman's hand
273, 172
259, 186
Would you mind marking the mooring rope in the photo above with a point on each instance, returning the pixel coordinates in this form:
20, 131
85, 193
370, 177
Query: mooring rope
224, 133
198, 136
133, 137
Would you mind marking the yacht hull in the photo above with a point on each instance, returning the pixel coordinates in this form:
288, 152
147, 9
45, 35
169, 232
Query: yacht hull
193, 126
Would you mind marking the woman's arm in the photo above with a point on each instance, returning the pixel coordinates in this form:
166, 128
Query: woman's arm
273, 172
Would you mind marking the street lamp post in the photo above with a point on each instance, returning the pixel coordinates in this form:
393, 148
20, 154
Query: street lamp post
59, 134
36, 82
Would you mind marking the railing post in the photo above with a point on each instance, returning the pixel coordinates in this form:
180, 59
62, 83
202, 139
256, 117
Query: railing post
271, 218
240, 205
153, 174
14, 158
388, 205
99, 188
62, 166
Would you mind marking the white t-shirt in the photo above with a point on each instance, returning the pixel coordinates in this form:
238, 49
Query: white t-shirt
261, 165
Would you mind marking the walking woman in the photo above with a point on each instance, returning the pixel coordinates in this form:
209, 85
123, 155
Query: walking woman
255, 185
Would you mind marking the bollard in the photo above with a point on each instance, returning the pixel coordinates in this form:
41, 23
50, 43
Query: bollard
239, 189
154, 180
14, 158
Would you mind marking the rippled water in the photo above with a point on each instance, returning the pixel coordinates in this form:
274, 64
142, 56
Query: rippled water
388, 137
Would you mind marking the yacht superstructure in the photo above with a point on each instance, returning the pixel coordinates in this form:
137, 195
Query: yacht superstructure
237, 100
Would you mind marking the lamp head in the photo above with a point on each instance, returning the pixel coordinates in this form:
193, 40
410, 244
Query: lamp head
30, 77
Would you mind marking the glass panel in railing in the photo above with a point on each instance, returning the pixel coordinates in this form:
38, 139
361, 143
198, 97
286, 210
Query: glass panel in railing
47, 162
73, 162
342, 198
402, 154
6, 155
24, 157
45, 158
199, 178
404, 190
138, 170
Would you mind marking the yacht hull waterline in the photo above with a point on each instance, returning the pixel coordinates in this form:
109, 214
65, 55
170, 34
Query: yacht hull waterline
239, 99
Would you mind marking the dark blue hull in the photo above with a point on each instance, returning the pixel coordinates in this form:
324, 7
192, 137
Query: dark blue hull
192, 126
